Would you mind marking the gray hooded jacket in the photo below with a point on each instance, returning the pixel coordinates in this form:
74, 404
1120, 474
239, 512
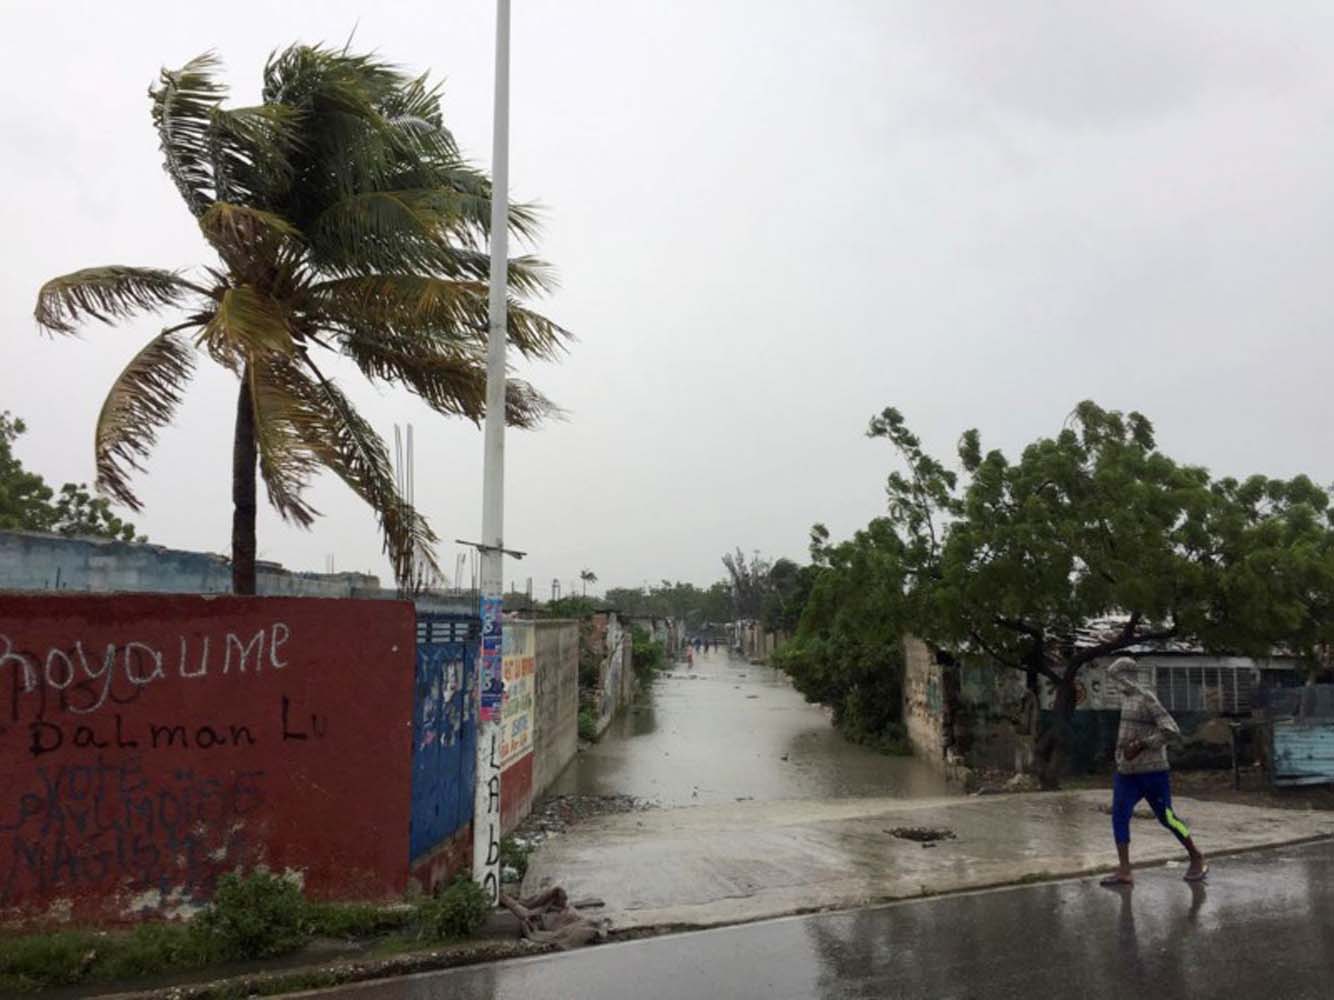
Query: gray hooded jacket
1143, 718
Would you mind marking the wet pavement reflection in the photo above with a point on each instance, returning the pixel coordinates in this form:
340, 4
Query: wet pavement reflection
1263, 926
727, 730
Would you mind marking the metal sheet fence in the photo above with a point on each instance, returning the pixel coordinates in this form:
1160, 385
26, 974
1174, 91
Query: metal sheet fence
444, 729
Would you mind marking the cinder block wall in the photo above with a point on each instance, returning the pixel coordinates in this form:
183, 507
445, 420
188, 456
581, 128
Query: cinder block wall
556, 730
923, 700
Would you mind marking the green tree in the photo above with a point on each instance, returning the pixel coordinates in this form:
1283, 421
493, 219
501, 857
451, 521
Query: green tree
1096, 523
346, 223
847, 651
587, 576
28, 504
25, 499
750, 582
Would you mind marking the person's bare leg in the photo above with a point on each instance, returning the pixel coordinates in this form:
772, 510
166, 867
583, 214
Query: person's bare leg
1197, 865
1123, 856
1122, 876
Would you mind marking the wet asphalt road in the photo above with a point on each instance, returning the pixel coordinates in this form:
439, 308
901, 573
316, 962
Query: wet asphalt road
724, 730
1262, 928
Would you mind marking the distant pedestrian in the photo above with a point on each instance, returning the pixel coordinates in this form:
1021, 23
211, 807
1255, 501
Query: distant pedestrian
1141, 771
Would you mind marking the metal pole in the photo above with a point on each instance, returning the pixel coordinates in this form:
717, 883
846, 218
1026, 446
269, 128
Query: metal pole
486, 804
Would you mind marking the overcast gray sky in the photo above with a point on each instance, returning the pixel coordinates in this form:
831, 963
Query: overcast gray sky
770, 221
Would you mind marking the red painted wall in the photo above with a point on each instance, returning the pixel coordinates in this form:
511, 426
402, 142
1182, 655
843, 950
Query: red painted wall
149, 743
516, 792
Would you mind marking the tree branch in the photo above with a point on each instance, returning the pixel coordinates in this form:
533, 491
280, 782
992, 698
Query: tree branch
1019, 625
1127, 637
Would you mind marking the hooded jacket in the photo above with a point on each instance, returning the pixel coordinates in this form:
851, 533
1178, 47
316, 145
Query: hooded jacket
1143, 718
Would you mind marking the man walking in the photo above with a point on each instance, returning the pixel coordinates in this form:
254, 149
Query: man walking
1141, 770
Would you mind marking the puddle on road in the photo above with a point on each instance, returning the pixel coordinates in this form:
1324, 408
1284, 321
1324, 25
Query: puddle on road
726, 730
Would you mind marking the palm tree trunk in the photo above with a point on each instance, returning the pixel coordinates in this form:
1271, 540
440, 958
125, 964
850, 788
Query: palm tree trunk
244, 506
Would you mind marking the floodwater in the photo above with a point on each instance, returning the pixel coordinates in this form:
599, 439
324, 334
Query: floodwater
726, 730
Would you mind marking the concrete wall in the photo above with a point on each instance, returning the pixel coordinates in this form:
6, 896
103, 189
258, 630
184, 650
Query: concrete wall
516, 722
923, 700
31, 561
556, 723
610, 644
757, 643
977, 714
151, 743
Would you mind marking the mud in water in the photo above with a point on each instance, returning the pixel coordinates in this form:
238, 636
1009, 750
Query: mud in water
726, 730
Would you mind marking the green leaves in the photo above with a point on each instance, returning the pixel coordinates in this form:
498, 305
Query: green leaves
246, 324
107, 294
183, 105
345, 219
142, 400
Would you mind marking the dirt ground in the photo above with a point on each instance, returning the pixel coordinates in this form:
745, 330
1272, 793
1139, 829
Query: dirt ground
1216, 786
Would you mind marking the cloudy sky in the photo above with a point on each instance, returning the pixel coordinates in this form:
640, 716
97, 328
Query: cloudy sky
770, 221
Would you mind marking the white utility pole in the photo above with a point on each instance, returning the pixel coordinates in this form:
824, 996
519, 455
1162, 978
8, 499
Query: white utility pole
486, 805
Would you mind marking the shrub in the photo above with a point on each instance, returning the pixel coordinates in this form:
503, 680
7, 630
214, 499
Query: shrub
254, 916
588, 725
647, 655
514, 855
459, 911
60, 959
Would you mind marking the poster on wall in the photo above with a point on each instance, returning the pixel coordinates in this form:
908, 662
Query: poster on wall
520, 664
493, 674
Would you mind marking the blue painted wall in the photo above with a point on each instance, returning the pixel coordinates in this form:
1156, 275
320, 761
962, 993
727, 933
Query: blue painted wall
444, 729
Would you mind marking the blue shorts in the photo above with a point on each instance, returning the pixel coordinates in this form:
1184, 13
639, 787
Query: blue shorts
1156, 789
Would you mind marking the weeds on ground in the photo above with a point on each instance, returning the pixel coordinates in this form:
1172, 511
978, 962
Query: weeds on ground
588, 725
514, 855
259, 915
457, 912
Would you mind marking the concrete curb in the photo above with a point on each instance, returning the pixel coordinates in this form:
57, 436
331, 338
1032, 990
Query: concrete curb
326, 975
636, 933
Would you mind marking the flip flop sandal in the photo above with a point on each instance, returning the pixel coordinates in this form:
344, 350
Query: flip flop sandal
1199, 877
1116, 882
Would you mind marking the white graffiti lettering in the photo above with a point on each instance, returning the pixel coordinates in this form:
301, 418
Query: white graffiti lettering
85, 678
244, 652
19, 660
275, 642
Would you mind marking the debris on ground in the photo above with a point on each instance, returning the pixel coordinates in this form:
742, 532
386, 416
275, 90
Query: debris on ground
550, 918
1021, 782
923, 835
556, 814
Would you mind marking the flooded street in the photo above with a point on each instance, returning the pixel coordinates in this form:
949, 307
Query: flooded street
727, 730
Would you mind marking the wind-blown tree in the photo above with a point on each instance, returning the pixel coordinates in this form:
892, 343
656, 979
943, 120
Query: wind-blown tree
587, 576
1098, 523
750, 582
346, 223
847, 649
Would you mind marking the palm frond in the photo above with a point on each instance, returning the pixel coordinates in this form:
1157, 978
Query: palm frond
245, 237
183, 108
246, 324
251, 152
286, 461
142, 400
402, 230
341, 440
526, 408
107, 294
435, 309
451, 379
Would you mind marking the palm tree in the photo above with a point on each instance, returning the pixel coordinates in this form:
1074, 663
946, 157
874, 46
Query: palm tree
346, 222
588, 576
